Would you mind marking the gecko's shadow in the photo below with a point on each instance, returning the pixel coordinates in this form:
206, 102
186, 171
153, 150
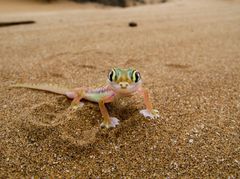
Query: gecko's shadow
122, 112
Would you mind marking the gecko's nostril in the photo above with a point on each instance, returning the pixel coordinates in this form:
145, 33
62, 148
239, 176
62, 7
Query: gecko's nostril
123, 85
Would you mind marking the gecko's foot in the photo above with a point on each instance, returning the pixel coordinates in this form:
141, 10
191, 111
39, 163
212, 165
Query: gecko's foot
113, 123
154, 114
76, 106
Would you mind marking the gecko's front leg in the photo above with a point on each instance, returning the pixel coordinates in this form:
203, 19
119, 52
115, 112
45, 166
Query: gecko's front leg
149, 112
107, 120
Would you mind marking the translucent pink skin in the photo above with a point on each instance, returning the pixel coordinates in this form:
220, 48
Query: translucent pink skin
109, 91
93, 95
70, 95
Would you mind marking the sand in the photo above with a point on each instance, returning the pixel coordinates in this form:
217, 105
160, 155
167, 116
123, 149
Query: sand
188, 54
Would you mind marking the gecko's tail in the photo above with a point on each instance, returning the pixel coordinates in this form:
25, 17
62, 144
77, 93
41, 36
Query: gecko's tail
43, 87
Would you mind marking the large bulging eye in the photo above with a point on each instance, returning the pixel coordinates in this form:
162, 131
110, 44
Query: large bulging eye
136, 76
111, 75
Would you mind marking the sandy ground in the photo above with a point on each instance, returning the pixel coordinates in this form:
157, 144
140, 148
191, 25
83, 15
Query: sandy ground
188, 54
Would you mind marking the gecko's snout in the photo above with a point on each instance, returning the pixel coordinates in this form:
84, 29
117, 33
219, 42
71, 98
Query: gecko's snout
123, 85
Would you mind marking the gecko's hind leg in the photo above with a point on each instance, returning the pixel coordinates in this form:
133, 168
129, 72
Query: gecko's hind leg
76, 95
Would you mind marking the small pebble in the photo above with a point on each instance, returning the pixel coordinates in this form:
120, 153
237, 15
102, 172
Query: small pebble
132, 24
190, 141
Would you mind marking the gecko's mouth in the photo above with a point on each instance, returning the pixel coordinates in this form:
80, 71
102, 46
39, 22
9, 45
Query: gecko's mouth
125, 90
123, 87
119, 89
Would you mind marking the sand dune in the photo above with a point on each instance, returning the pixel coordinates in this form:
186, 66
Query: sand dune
188, 54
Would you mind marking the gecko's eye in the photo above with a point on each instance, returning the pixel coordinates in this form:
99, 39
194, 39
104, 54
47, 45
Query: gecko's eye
111, 75
136, 76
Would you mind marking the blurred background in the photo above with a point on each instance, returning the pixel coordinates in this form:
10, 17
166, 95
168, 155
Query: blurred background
17, 5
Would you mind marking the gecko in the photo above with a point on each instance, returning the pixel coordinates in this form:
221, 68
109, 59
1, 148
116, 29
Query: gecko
120, 83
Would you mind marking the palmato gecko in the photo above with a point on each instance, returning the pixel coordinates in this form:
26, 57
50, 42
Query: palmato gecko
120, 83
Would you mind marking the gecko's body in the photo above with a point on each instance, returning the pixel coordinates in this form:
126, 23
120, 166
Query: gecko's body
121, 82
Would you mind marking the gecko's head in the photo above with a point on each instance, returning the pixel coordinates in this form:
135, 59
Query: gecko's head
124, 80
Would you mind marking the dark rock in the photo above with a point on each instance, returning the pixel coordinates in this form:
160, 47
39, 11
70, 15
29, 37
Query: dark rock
132, 24
4, 24
123, 3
